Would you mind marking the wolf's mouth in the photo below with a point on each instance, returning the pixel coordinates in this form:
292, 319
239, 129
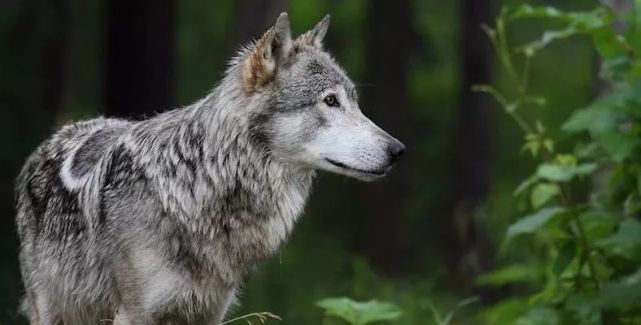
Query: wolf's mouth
377, 172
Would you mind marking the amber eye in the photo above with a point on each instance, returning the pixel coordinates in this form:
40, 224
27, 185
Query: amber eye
331, 101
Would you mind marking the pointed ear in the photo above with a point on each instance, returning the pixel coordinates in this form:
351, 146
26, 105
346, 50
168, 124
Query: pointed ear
315, 36
271, 50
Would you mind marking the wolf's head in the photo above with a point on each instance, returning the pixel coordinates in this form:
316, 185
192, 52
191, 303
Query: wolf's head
312, 116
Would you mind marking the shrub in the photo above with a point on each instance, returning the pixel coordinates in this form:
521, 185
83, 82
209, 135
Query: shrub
588, 243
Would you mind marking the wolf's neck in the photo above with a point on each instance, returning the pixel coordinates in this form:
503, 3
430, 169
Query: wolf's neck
210, 171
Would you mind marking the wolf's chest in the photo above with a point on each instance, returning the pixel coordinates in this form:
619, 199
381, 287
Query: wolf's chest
251, 237
236, 234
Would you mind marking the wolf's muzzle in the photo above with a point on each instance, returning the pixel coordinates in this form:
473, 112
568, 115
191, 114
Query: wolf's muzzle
395, 149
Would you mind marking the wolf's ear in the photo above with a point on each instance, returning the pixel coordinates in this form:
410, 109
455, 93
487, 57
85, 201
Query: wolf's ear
315, 36
271, 50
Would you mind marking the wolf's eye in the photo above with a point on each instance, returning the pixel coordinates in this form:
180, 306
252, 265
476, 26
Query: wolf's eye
331, 101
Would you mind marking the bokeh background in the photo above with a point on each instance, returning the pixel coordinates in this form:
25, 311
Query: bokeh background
417, 238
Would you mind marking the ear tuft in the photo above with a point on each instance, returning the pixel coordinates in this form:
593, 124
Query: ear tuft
315, 36
270, 51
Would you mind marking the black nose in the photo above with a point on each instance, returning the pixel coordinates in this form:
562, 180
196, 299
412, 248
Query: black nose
395, 150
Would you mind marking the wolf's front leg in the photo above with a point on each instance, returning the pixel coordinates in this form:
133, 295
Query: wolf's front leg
134, 279
41, 309
127, 316
227, 299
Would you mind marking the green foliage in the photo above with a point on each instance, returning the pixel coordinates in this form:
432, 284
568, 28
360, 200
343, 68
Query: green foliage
359, 313
509, 274
534, 222
449, 316
588, 244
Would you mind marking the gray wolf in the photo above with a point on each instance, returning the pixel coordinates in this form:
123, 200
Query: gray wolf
158, 221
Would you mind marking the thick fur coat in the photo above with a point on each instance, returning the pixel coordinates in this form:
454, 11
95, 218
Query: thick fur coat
157, 221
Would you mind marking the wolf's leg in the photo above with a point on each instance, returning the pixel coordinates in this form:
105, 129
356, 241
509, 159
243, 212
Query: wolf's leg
227, 299
131, 310
120, 318
125, 316
41, 310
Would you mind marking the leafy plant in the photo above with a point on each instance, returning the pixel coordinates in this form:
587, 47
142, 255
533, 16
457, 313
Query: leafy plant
359, 313
589, 243
447, 318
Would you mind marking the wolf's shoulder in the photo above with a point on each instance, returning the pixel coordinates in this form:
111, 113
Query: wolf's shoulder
95, 138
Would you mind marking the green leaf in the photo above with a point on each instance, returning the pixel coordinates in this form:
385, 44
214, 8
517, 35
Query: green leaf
608, 44
547, 38
563, 173
583, 20
548, 144
527, 183
542, 193
601, 115
576, 23
624, 292
531, 146
450, 314
516, 273
632, 205
591, 119
554, 172
597, 224
564, 258
505, 312
634, 73
529, 11
584, 308
603, 120
616, 68
585, 150
626, 242
533, 222
539, 316
359, 313
619, 146
553, 292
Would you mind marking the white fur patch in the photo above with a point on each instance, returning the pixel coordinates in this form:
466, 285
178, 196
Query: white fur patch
161, 283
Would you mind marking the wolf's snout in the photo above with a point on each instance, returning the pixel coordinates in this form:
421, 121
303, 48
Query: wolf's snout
395, 149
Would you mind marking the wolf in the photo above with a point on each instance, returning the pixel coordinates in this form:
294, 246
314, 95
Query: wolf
158, 221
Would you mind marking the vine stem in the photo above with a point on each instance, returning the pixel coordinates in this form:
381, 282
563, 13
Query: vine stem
521, 122
586, 250
566, 201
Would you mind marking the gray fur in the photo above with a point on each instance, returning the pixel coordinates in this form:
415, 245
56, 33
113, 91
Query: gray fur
158, 221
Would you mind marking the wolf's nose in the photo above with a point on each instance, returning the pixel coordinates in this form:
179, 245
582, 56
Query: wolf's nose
395, 150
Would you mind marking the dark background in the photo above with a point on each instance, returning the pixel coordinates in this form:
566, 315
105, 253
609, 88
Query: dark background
416, 238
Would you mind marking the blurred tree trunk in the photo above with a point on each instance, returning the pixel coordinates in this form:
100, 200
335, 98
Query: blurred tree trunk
140, 57
469, 251
390, 42
33, 63
54, 59
253, 17
34, 100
